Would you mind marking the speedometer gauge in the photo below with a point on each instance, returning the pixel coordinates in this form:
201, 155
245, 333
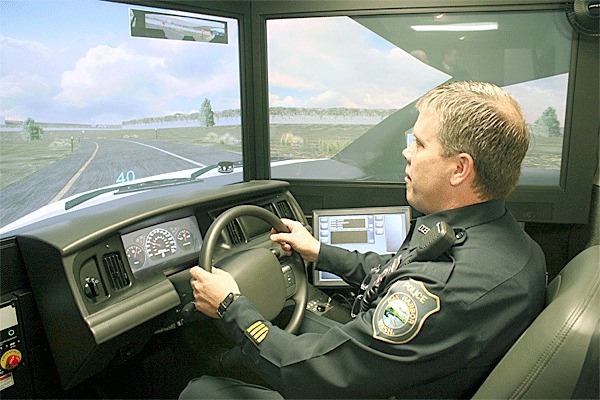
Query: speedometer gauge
160, 243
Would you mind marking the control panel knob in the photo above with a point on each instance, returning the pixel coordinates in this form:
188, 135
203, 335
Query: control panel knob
10, 359
91, 287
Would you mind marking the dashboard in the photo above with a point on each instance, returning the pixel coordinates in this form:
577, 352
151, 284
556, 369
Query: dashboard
114, 276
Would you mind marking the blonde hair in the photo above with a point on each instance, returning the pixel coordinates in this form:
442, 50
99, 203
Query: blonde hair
483, 120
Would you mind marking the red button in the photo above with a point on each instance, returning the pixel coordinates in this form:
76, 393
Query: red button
13, 361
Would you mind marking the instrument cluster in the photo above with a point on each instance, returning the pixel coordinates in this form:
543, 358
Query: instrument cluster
162, 244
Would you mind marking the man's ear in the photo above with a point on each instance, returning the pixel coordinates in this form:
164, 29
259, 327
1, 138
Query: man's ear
464, 170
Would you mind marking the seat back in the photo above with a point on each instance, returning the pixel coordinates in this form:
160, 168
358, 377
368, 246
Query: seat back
546, 361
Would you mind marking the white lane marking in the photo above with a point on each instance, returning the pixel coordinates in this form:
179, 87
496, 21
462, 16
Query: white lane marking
169, 153
75, 177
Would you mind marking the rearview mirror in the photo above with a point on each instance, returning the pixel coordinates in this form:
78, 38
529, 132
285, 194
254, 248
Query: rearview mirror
151, 24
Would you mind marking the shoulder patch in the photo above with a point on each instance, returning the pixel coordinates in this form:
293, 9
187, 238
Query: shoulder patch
400, 315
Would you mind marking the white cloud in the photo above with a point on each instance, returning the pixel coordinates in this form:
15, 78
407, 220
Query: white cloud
12, 114
21, 84
287, 101
336, 62
25, 66
105, 72
282, 79
121, 73
331, 98
16, 93
12, 48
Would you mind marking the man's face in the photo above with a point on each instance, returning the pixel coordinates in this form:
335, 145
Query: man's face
427, 171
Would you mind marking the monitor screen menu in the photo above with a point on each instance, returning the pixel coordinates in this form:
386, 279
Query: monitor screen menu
378, 229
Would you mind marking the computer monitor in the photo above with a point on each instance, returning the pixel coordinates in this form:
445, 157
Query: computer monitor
378, 229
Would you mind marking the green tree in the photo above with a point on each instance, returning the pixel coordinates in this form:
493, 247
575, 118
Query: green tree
207, 117
31, 131
548, 122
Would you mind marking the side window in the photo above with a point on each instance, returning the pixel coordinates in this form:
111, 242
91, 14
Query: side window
342, 90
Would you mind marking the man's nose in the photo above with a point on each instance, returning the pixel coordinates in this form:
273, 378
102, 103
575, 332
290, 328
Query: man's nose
407, 154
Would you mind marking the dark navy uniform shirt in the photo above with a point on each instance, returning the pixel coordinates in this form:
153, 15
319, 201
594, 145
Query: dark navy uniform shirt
435, 330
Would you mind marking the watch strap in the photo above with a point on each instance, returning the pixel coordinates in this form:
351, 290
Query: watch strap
226, 303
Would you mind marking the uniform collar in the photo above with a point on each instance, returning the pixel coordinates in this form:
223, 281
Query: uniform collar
464, 217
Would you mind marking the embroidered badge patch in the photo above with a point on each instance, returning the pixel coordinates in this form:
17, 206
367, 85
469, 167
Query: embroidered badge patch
257, 332
401, 313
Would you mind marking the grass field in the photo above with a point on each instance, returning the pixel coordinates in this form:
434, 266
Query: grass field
544, 152
19, 159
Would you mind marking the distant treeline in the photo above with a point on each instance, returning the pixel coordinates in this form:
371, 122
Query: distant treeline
66, 125
278, 111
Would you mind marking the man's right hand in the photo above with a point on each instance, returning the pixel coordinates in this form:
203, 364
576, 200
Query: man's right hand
299, 239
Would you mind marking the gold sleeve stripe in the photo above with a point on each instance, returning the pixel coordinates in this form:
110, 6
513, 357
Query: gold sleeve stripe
258, 331
262, 336
255, 327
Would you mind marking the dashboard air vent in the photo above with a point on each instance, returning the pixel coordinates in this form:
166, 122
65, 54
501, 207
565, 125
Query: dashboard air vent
284, 210
271, 208
235, 232
115, 269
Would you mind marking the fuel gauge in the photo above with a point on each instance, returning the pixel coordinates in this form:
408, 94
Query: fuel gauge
136, 256
185, 239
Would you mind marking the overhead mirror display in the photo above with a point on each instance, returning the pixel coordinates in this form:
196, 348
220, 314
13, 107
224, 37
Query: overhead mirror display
176, 27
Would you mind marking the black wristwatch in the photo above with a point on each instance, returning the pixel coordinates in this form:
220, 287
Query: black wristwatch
226, 303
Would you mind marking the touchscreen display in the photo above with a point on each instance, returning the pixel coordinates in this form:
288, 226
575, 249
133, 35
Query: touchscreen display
378, 229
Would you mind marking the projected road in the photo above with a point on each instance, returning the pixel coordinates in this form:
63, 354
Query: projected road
101, 162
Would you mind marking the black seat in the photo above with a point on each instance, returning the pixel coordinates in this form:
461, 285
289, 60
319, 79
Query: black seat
554, 357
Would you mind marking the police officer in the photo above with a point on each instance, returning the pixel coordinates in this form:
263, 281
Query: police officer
427, 325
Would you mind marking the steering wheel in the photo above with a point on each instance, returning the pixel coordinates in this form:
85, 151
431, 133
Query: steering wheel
258, 273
